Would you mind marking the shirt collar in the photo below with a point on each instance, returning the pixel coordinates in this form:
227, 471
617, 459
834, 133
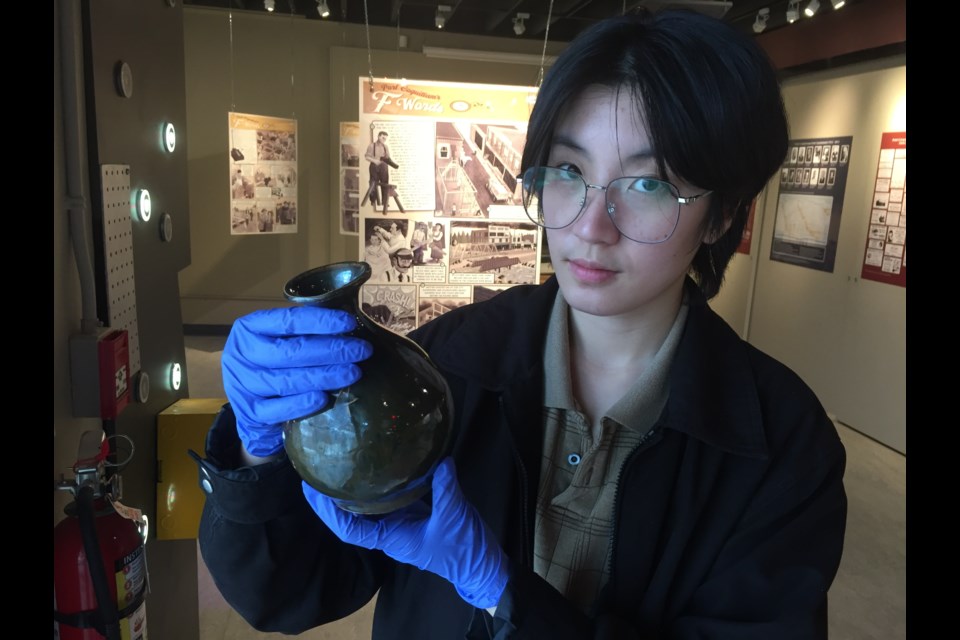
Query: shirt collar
641, 405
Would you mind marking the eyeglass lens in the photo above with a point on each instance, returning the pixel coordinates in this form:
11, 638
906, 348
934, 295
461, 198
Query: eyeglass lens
643, 209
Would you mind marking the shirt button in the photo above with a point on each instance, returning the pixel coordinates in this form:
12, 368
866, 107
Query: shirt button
574, 459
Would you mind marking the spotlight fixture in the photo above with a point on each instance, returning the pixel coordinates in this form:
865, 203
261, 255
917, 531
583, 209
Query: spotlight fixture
323, 8
812, 8
441, 18
761, 22
838, 3
269, 5
518, 26
793, 11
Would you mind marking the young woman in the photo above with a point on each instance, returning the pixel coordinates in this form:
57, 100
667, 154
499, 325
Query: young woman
623, 465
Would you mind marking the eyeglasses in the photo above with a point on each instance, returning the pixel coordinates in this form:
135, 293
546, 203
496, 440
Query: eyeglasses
643, 209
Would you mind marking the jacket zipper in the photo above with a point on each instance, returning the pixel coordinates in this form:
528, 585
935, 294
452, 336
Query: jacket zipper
617, 495
524, 512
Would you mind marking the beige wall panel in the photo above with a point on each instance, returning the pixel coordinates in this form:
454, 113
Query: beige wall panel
845, 336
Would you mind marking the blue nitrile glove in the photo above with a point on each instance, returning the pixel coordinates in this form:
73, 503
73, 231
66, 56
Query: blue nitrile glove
450, 540
278, 365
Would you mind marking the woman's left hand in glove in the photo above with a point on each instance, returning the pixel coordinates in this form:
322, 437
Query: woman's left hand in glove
449, 539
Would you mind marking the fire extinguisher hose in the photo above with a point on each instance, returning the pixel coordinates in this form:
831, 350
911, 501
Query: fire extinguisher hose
88, 530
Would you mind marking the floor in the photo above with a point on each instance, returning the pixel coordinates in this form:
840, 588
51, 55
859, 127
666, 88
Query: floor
867, 599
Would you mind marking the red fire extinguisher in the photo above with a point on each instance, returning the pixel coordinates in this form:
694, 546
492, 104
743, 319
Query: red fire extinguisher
99, 563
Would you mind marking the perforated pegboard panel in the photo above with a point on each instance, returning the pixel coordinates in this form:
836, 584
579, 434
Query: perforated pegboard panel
118, 256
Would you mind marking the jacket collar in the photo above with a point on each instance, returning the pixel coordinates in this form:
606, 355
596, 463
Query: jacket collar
713, 392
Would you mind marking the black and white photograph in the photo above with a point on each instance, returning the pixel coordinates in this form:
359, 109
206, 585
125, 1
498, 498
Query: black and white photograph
387, 249
276, 145
431, 308
242, 185
481, 293
477, 167
243, 217
502, 252
349, 200
380, 189
284, 175
286, 212
844, 153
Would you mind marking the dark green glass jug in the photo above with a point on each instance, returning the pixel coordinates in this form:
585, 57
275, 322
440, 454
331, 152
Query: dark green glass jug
374, 447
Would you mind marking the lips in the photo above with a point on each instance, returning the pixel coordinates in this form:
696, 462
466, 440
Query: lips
590, 272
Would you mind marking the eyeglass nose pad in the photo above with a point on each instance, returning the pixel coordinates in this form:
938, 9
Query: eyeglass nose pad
611, 209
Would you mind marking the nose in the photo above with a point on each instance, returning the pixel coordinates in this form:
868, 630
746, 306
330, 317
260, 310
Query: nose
595, 223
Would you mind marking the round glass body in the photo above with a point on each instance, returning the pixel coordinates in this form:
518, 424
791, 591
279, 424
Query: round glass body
374, 447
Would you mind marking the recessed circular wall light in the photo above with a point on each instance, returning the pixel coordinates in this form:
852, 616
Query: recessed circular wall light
143, 204
175, 376
169, 137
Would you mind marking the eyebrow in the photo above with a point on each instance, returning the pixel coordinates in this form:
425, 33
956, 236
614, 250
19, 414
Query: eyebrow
644, 155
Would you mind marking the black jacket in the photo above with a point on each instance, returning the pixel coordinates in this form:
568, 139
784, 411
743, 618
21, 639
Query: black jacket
729, 518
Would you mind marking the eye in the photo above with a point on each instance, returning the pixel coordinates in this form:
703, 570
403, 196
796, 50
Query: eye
568, 168
648, 185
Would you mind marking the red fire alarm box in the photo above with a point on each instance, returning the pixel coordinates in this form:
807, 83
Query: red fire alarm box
113, 350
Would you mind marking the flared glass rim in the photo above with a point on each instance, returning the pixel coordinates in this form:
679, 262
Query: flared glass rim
323, 283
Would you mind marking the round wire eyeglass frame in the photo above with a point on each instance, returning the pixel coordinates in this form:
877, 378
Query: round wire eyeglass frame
528, 177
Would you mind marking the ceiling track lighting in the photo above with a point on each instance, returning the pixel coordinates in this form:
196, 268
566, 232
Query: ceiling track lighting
518, 25
443, 12
323, 8
761, 22
269, 5
837, 3
793, 11
812, 8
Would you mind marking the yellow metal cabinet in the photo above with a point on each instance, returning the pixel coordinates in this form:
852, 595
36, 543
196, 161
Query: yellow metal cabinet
181, 426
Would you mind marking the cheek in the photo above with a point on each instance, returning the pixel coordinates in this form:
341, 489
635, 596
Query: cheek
555, 237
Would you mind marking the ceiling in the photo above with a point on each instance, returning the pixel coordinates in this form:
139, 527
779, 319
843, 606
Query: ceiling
495, 17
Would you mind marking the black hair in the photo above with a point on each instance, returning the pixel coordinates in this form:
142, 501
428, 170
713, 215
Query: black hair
710, 100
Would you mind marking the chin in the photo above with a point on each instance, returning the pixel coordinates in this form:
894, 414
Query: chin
623, 295
596, 300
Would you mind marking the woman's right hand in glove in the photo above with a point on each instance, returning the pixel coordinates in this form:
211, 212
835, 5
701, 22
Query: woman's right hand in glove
279, 364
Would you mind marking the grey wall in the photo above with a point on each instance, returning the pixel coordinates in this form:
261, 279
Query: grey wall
845, 336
